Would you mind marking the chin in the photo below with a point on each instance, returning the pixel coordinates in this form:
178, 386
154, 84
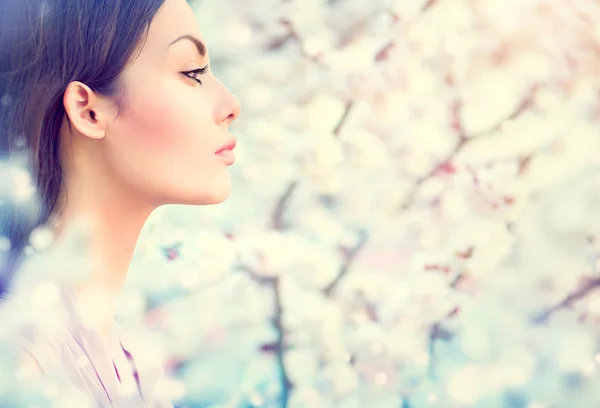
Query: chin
206, 198
214, 199
216, 194
193, 193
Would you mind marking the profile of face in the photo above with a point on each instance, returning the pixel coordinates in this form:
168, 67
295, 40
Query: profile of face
169, 141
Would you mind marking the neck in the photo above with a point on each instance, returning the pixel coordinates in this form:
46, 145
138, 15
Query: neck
111, 230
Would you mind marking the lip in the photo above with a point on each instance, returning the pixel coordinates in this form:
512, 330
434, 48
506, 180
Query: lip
226, 153
230, 145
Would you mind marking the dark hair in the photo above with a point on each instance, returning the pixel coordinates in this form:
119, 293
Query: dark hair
44, 46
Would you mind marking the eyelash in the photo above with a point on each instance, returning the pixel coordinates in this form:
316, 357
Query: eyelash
194, 73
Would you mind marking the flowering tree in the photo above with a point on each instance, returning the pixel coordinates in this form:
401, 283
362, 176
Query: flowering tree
413, 220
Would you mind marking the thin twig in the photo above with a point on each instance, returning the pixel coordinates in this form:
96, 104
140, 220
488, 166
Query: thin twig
349, 255
292, 34
428, 5
277, 221
343, 119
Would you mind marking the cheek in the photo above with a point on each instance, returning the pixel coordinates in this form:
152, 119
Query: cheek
164, 139
161, 120
167, 126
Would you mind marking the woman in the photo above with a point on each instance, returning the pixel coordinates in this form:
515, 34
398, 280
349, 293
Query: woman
118, 112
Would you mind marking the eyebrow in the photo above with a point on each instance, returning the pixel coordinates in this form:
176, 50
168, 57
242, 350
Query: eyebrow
199, 44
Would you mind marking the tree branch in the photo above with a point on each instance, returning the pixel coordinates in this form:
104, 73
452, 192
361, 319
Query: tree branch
284, 379
277, 321
438, 332
571, 298
463, 140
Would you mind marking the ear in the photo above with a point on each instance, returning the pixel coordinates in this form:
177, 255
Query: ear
85, 111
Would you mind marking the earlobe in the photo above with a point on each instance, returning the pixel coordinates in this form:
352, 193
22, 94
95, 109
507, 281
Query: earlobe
82, 107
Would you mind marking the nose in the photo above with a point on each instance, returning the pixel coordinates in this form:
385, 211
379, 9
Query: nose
232, 111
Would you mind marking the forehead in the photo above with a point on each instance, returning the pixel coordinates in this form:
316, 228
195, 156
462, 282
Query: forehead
174, 19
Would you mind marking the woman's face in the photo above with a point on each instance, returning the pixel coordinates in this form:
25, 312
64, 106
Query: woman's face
164, 143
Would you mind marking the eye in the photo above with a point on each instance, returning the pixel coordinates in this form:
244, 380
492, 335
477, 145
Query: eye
194, 74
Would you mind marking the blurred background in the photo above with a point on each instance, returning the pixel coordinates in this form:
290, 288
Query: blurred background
414, 220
